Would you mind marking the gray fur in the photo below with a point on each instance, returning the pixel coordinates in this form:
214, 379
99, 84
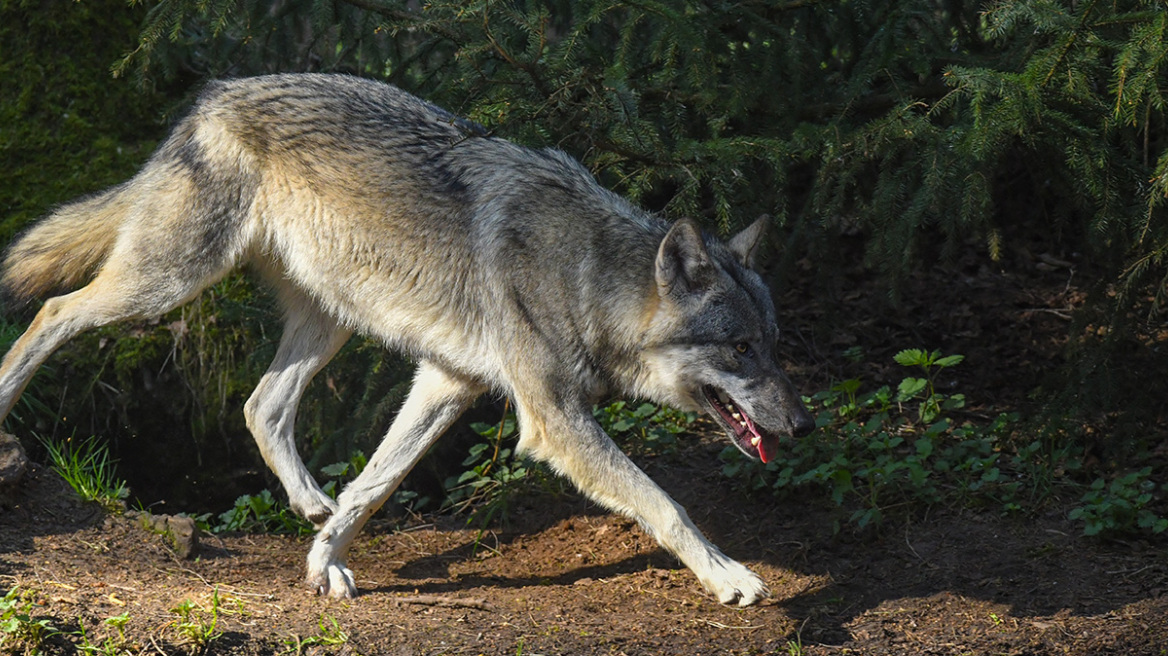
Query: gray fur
497, 267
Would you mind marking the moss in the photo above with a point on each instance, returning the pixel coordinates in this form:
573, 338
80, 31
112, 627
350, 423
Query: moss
67, 127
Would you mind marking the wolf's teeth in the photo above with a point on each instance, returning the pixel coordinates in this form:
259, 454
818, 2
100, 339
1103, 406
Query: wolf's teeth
736, 416
754, 441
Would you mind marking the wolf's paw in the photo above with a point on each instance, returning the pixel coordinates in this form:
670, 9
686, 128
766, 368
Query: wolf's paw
329, 577
334, 581
733, 583
315, 506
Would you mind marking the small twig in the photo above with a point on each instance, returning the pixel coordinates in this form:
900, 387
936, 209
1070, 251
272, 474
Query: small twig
909, 544
1058, 312
719, 625
447, 602
498, 436
411, 529
1128, 572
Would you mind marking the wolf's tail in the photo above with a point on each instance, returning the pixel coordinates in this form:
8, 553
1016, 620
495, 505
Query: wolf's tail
63, 249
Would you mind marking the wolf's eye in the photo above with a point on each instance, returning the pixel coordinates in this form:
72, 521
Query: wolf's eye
742, 347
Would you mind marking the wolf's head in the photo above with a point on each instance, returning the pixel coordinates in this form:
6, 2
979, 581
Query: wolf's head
711, 343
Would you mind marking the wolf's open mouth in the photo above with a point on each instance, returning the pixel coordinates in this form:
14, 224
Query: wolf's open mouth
748, 437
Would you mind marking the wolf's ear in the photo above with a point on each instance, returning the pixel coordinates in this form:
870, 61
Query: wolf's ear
683, 263
747, 244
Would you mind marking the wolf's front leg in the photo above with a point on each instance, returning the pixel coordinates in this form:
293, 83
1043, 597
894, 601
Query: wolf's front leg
578, 447
436, 399
311, 338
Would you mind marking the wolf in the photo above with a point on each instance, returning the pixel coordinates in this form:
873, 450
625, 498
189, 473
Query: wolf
496, 267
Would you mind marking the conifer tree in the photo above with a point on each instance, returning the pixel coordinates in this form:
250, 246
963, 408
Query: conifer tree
927, 128
909, 121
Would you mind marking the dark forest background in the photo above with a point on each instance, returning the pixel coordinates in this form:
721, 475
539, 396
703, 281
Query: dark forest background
897, 144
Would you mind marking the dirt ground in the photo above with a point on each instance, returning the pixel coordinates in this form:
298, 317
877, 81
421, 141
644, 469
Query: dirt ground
566, 578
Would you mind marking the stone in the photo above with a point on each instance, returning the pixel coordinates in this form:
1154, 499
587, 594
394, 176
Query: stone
181, 533
13, 464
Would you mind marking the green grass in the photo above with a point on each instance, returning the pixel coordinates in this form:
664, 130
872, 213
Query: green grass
87, 467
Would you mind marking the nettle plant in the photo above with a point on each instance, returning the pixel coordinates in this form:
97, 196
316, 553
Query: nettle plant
1123, 506
888, 447
644, 428
932, 404
494, 474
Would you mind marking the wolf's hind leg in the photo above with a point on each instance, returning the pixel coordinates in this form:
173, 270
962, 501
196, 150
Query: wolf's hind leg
311, 338
575, 445
437, 398
122, 289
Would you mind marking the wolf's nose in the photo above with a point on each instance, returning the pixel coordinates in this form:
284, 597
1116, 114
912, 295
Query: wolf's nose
803, 425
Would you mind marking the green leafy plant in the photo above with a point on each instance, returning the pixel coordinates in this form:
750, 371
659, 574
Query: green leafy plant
871, 453
328, 636
196, 626
1121, 506
119, 622
645, 428
87, 467
494, 473
19, 628
111, 645
261, 513
343, 472
932, 403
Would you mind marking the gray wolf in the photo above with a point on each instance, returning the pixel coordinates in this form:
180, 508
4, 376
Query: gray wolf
496, 267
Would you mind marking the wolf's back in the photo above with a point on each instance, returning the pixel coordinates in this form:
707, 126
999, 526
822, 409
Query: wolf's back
63, 249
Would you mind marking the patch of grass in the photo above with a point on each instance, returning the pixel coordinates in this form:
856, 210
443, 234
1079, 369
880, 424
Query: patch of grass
87, 467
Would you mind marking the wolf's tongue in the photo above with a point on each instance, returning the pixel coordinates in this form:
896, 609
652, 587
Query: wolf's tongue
758, 440
762, 454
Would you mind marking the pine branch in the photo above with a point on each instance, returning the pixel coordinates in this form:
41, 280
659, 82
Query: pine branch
399, 16
528, 67
1070, 41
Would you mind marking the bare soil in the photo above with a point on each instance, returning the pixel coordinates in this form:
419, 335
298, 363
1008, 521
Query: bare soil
566, 578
